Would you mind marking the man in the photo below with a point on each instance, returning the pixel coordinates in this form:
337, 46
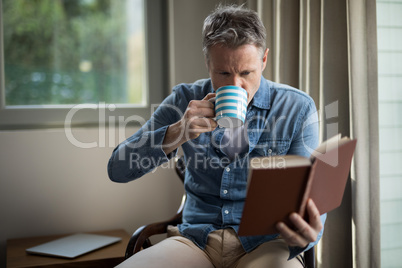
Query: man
280, 120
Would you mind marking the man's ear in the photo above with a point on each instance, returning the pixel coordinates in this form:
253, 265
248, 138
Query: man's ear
264, 59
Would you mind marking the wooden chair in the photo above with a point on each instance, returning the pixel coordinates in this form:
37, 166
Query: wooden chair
140, 238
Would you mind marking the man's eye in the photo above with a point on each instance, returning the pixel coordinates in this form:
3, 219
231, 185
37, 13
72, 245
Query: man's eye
245, 73
224, 73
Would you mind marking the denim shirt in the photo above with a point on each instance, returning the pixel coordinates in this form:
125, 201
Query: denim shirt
280, 120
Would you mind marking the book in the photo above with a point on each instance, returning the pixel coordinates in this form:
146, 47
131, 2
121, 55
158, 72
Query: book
280, 185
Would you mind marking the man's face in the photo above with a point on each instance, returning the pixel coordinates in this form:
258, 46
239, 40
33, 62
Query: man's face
240, 67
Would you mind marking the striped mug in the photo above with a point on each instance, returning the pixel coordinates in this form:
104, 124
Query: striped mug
231, 106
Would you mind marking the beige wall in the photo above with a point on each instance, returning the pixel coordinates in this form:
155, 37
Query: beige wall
50, 186
186, 18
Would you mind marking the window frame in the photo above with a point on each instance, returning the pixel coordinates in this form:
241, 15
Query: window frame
86, 115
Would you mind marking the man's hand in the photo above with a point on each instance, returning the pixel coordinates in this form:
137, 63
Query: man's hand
197, 119
305, 232
198, 116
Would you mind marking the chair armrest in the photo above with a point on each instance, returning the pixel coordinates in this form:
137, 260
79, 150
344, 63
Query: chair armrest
140, 238
309, 258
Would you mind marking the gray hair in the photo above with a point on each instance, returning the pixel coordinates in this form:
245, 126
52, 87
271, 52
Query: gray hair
233, 26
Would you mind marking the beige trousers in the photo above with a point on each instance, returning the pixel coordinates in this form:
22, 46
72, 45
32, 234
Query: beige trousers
223, 250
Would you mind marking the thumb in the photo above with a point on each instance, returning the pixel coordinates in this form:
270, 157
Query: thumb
210, 97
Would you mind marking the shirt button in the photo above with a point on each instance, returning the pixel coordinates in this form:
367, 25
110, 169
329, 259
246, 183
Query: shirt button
226, 211
225, 191
228, 169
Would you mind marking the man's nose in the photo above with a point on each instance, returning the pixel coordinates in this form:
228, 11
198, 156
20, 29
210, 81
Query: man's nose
236, 81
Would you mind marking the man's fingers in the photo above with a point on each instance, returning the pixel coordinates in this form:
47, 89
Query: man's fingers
196, 126
202, 123
314, 215
291, 237
199, 112
197, 104
198, 117
209, 96
308, 233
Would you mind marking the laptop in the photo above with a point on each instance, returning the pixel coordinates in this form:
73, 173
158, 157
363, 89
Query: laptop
74, 245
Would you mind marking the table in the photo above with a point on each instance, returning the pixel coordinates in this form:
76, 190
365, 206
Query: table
108, 256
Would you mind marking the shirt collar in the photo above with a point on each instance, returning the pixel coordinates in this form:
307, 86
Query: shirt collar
262, 98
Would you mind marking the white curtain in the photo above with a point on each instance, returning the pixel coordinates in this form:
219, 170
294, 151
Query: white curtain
363, 89
328, 49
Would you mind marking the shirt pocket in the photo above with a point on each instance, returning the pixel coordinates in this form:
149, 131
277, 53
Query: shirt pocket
270, 147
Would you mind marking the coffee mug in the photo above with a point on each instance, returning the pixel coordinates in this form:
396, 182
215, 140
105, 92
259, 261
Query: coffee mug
231, 106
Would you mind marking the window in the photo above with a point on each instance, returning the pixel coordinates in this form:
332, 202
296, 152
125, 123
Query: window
389, 32
79, 59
